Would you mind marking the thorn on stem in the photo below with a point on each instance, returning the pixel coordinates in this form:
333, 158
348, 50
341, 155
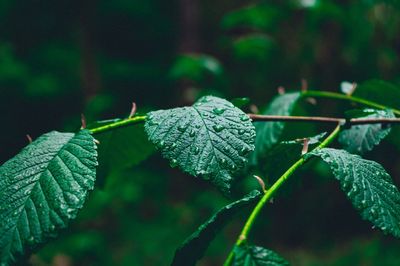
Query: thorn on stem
133, 110
254, 109
305, 146
304, 85
281, 90
261, 182
83, 121
29, 138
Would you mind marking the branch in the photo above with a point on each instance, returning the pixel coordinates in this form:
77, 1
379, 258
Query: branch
271, 191
342, 121
339, 96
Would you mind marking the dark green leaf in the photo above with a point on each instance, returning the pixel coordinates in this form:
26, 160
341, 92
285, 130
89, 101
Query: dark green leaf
254, 256
195, 245
212, 138
269, 133
282, 155
122, 148
42, 188
379, 91
368, 186
363, 138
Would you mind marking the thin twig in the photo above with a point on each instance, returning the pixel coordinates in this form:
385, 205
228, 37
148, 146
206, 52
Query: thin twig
354, 121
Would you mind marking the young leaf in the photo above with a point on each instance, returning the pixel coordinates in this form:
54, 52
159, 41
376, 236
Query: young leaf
368, 186
212, 138
363, 138
195, 245
42, 188
268, 133
122, 148
254, 255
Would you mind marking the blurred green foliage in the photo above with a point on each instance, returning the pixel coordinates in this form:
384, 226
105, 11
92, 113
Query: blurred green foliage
59, 59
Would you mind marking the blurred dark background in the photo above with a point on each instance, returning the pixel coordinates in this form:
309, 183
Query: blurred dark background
59, 59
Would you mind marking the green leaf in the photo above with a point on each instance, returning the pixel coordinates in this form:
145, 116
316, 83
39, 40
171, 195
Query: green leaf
43, 187
122, 148
379, 91
269, 133
254, 255
368, 186
363, 138
282, 155
194, 247
212, 138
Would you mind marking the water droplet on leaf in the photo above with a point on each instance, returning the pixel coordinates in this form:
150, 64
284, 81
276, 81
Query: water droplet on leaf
182, 128
218, 128
219, 111
174, 163
244, 117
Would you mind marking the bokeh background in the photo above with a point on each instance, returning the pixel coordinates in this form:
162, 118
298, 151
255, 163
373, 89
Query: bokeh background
61, 58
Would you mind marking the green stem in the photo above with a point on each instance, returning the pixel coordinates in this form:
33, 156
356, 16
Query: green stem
122, 123
271, 192
334, 95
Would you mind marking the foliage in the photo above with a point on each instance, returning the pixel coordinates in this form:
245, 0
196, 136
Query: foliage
195, 245
360, 139
368, 186
59, 60
212, 138
254, 255
269, 133
42, 188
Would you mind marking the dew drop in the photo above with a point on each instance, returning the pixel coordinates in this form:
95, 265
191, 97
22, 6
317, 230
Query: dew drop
218, 128
161, 144
233, 167
192, 133
31, 239
173, 146
364, 203
244, 117
52, 227
196, 150
241, 131
153, 123
182, 128
243, 151
226, 148
173, 163
223, 161
219, 111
